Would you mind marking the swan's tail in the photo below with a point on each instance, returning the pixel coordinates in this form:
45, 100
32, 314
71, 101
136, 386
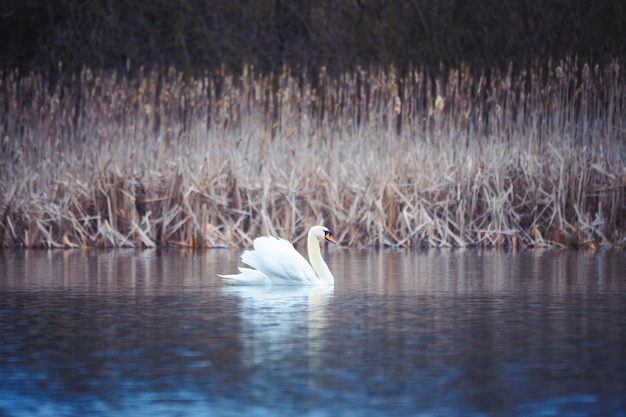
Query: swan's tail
246, 276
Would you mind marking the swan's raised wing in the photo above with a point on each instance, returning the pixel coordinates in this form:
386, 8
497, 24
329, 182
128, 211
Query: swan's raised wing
280, 262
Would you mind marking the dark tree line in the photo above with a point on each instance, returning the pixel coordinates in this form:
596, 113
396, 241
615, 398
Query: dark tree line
200, 35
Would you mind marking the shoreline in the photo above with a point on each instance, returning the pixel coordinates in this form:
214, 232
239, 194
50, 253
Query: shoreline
529, 159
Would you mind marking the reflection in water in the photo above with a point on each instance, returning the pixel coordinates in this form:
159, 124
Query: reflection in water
437, 332
463, 271
274, 318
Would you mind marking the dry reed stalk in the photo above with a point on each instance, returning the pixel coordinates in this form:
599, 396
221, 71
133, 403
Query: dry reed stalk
463, 158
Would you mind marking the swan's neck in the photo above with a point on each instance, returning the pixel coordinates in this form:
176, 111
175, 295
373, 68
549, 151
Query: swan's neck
317, 262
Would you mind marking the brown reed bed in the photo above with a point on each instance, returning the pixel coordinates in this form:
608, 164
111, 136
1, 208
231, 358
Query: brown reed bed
458, 158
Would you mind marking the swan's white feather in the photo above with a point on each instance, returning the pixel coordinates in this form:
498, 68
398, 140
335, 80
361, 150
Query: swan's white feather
277, 262
280, 261
246, 276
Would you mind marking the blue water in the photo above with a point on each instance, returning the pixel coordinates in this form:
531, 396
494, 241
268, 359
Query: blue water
402, 333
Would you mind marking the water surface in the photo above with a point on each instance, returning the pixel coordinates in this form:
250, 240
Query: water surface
432, 333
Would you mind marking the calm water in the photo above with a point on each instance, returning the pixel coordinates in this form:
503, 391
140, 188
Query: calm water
433, 333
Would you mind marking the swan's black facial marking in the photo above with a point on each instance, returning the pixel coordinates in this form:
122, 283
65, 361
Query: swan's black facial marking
328, 235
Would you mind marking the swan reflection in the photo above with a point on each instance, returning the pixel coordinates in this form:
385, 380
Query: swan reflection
282, 324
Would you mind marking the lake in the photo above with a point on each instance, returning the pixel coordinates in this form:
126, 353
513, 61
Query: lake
402, 333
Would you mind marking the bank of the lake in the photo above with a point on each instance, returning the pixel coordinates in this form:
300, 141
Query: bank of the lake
520, 158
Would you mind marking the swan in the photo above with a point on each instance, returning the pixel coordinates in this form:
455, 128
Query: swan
276, 262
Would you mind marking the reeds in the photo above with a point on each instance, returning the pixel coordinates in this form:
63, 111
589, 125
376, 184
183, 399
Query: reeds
457, 158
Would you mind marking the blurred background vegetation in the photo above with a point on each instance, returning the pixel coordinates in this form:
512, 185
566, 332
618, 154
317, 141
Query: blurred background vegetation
195, 36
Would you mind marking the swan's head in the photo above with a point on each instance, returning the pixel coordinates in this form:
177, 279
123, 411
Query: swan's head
321, 233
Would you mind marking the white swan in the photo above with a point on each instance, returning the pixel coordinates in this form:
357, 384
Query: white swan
277, 262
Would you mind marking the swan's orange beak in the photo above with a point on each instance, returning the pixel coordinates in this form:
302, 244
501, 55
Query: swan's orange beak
329, 237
